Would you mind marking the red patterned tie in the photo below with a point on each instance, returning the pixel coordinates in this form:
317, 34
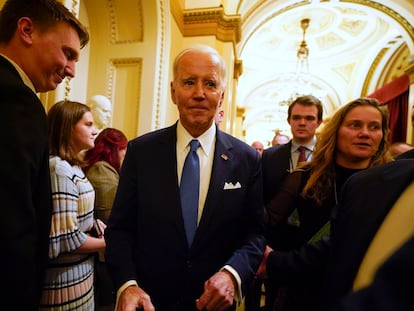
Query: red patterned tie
302, 154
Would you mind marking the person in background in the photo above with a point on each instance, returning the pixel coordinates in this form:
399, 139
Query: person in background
156, 261
280, 139
409, 154
258, 146
305, 114
353, 140
40, 43
398, 148
68, 284
103, 165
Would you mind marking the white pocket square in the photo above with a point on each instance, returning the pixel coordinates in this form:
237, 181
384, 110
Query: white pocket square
230, 185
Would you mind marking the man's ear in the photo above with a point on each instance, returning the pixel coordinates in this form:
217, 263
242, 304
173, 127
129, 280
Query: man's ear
320, 122
25, 29
172, 92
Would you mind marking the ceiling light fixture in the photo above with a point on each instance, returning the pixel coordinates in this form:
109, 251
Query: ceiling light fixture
303, 51
298, 83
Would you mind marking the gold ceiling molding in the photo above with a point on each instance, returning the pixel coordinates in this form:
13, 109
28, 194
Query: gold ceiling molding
388, 11
371, 71
207, 22
397, 65
238, 68
261, 23
409, 69
253, 8
240, 112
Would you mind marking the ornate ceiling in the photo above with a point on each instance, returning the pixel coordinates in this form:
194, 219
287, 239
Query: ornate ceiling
354, 48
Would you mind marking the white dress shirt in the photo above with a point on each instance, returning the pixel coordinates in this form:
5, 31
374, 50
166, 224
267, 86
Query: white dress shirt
205, 153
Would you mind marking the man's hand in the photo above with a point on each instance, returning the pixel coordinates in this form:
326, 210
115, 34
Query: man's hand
133, 298
261, 271
218, 292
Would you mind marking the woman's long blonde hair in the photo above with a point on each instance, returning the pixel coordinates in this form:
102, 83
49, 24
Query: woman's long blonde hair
322, 165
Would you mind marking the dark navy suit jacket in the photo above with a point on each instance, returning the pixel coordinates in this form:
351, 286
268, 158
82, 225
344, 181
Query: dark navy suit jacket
366, 199
146, 239
25, 198
276, 166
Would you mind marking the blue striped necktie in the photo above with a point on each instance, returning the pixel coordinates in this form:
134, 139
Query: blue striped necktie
189, 190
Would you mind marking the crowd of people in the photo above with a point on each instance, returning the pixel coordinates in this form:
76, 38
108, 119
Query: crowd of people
188, 217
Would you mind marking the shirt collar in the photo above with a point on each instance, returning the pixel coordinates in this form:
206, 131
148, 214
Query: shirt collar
206, 139
22, 74
310, 145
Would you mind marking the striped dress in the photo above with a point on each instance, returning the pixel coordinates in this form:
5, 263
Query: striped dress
69, 277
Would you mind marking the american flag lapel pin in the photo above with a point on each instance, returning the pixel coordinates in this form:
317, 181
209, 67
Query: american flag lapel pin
224, 157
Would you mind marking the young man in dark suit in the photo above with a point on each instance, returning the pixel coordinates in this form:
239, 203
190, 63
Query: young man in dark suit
40, 42
305, 115
152, 262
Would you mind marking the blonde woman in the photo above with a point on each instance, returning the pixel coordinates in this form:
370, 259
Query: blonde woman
354, 139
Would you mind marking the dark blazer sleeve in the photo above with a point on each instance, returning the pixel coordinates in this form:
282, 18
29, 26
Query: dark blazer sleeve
283, 202
275, 167
301, 265
248, 231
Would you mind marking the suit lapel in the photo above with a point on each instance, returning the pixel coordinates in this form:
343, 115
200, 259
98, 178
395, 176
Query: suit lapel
166, 174
222, 163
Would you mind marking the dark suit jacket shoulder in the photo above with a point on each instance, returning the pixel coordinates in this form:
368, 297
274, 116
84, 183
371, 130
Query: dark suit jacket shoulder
406, 155
24, 188
275, 166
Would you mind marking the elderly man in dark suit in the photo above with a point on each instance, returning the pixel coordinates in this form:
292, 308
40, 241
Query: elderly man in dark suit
40, 42
153, 260
369, 202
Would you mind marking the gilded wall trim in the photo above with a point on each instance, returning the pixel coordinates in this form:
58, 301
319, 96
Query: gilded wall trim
120, 32
114, 63
130, 76
206, 22
161, 64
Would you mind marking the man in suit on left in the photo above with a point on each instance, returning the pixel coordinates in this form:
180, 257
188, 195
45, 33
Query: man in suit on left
40, 42
150, 260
